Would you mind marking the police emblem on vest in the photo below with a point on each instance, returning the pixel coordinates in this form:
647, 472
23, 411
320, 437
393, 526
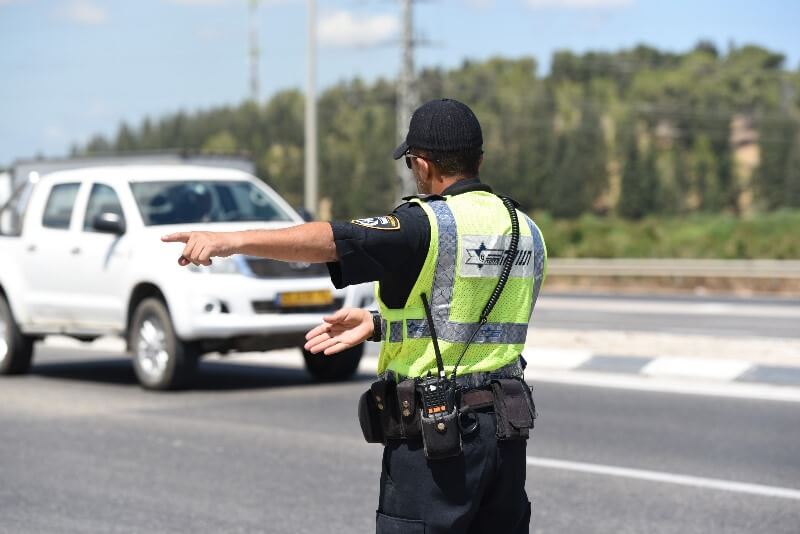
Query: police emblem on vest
485, 255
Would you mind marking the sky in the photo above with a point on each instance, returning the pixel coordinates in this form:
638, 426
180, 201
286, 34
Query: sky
73, 68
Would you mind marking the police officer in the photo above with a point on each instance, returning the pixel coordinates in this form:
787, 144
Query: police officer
458, 270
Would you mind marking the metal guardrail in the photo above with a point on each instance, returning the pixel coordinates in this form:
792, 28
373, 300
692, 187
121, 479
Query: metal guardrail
763, 269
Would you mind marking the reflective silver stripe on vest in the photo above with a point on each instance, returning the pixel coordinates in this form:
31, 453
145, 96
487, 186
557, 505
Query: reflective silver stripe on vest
538, 260
442, 294
396, 331
509, 333
445, 275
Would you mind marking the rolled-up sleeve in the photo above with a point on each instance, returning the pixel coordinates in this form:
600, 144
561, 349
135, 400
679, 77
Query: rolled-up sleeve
372, 254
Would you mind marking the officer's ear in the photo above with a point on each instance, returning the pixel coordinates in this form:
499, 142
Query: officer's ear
425, 168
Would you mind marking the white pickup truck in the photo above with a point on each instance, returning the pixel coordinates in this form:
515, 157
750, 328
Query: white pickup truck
88, 262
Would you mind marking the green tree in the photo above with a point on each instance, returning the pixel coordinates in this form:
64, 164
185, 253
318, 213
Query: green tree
220, 143
282, 167
793, 174
775, 141
639, 177
567, 196
535, 161
672, 181
552, 142
580, 175
126, 139
96, 145
705, 176
357, 135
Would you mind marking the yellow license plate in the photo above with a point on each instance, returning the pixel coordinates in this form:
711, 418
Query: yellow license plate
296, 299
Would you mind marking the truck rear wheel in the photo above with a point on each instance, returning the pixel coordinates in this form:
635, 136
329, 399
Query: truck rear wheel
336, 367
16, 349
161, 360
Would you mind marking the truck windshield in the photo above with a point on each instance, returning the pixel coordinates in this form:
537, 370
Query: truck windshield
182, 202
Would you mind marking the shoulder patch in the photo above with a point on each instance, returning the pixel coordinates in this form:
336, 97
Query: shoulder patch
385, 222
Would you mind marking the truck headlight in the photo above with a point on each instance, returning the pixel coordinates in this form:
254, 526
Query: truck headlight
218, 266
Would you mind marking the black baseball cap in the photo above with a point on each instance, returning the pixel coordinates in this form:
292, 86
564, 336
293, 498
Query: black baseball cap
442, 125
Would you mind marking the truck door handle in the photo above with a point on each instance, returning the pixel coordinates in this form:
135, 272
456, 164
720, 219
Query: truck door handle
75, 251
31, 248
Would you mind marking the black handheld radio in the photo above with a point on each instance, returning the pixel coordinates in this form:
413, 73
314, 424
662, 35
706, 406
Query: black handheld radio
437, 397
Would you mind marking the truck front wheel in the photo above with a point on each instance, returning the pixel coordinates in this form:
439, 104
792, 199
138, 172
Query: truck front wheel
16, 349
336, 367
161, 360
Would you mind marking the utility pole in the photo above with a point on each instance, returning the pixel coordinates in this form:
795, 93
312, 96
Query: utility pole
254, 52
407, 98
311, 166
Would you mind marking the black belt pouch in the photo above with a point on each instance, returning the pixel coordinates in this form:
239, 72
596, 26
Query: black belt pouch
369, 416
441, 436
407, 405
514, 407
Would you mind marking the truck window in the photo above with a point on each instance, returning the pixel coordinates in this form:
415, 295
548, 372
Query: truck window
102, 199
185, 202
58, 211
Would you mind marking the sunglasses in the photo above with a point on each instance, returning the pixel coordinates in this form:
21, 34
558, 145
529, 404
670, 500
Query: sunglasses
409, 156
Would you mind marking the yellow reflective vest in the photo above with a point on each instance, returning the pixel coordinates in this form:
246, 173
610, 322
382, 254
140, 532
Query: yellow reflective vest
470, 234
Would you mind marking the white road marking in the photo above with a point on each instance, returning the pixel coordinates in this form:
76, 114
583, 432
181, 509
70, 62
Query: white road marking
369, 364
737, 309
668, 478
552, 358
738, 390
696, 368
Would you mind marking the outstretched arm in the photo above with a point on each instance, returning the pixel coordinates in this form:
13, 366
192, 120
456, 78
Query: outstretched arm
311, 242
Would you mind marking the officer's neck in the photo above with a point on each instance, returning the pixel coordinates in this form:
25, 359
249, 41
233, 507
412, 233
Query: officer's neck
441, 183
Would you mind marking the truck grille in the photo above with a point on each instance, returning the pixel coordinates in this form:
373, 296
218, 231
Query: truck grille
263, 268
269, 306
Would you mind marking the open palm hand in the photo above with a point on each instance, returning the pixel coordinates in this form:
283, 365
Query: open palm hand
344, 329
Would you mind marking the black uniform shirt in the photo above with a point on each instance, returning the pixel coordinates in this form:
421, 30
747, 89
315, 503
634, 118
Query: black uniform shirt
389, 249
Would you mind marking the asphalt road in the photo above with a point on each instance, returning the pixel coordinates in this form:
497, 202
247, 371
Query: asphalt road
261, 449
720, 316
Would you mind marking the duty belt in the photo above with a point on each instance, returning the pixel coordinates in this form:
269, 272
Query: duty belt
475, 380
389, 410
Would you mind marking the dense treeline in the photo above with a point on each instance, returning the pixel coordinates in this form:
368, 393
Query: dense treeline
700, 235
631, 133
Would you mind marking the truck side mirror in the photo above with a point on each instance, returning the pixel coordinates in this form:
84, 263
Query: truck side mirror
109, 223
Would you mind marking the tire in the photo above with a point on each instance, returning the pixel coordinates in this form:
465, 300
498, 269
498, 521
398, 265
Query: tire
16, 349
161, 360
335, 368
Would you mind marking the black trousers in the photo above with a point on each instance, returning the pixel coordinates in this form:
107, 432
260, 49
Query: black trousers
480, 491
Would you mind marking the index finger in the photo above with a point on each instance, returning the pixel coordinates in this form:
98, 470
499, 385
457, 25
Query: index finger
180, 237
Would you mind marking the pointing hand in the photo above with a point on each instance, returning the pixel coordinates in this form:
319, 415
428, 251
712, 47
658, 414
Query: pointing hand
201, 246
